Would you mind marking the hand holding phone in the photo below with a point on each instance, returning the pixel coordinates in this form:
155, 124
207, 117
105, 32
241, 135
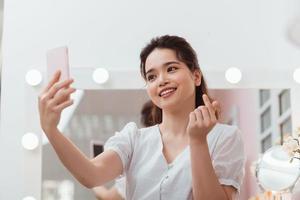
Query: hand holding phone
58, 59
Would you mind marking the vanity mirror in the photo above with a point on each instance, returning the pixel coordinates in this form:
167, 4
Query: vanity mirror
275, 172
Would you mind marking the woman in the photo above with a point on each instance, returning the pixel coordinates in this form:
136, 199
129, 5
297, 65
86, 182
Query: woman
187, 155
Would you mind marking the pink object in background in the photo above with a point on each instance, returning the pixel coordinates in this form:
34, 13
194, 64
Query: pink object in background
58, 58
245, 100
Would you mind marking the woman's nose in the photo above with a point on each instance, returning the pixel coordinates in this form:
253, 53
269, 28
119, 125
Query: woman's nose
163, 80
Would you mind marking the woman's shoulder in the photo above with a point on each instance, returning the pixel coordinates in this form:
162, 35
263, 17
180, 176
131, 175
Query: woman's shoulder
223, 131
227, 129
130, 126
227, 139
141, 135
134, 128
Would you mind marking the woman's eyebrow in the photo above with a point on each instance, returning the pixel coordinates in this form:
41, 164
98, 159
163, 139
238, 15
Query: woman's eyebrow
150, 70
171, 62
164, 65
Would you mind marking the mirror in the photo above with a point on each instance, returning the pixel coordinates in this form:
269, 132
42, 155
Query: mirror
263, 115
275, 172
99, 114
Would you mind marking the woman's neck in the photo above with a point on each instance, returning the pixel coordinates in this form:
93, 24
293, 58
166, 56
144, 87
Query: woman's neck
174, 122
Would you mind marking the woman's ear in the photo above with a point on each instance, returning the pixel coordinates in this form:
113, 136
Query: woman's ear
197, 77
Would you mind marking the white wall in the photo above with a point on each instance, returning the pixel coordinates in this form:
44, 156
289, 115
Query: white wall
245, 34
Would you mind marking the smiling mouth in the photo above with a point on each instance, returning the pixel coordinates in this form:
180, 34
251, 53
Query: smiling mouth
167, 92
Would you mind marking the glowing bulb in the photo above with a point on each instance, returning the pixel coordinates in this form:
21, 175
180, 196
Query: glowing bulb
233, 75
293, 31
29, 198
33, 77
30, 141
296, 75
100, 75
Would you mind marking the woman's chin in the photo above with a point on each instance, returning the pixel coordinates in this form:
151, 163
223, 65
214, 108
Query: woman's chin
169, 106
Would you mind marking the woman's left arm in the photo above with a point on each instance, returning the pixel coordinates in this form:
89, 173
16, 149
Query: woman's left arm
204, 179
205, 182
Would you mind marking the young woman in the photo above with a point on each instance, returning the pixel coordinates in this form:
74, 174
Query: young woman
186, 155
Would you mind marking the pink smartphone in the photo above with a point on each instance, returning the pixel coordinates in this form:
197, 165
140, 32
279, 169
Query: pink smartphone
58, 58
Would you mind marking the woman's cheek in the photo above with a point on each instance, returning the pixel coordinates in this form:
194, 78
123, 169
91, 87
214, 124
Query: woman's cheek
151, 92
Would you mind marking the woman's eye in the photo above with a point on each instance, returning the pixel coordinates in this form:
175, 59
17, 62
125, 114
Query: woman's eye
150, 77
172, 68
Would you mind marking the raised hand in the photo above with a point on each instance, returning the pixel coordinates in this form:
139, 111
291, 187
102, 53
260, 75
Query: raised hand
53, 99
203, 119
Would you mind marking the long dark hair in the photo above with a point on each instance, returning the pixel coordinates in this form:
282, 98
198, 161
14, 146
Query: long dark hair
146, 114
185, 53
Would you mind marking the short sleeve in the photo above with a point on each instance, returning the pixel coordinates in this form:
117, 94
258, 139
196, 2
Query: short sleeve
123, 143
229, 158
120, 185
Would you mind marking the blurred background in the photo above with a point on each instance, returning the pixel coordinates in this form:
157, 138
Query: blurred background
1, 26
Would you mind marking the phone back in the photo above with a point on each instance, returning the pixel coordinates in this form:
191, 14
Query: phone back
58, 58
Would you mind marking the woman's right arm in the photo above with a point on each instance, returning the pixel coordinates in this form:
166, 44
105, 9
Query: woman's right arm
90, 173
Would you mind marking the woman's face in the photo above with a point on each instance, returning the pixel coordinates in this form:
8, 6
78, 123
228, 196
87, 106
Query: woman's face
170, 83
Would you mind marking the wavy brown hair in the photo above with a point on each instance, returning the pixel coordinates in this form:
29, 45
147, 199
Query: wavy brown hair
185, 53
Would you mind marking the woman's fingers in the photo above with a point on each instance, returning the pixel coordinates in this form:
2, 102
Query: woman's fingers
205, 114
57, 86
61, 96
216, 106
203, 118
210, 107
63, 105
193, 118
199, 117
54, 79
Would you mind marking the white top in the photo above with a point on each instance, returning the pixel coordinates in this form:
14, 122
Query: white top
120, 185
149, 176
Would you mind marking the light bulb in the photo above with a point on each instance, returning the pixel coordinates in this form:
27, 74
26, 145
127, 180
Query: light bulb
233, 75
100, 75
296, 75
33, 77
30, 141
293, 31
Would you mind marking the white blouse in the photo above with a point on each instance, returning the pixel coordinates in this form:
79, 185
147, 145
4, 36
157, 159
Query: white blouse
149, 176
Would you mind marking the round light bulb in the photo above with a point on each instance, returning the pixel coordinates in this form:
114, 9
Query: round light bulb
33, 77
233, 75
296, 75
100, 75
29, 198
30, 141
293, 31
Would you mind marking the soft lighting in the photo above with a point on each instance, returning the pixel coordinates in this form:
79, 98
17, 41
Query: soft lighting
233, 75
296, 75
30, 141
33, 77
100, 75
29, 198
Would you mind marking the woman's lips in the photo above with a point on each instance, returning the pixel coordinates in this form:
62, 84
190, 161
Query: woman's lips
167, 93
